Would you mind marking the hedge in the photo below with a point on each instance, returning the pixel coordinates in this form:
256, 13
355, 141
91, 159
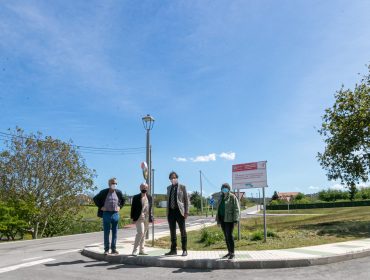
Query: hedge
319, 205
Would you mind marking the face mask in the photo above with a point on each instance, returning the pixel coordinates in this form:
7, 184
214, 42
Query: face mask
143, 191
174, 181
113, 186
225, 190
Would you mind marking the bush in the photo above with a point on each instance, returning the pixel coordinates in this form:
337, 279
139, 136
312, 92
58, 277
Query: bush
209, 237
257, 235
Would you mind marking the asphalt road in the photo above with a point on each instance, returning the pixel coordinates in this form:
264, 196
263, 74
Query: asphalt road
59, 258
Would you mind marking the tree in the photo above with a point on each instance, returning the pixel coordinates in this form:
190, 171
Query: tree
299, 196
48, 175
346, 132
275, 196
195, 200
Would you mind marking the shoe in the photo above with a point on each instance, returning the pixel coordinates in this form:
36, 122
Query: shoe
232, 256
171, 253
114, 252
106, 252
184, 253
134, 253
143, 254
226, 256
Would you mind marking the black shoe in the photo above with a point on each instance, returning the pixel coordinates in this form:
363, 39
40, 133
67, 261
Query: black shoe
106, 252
171, 253
184, 253
115, 252
231, 256
226, 256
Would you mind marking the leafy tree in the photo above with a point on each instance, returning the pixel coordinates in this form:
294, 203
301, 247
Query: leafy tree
275, 196
333, 195
48, 175
195, 200
13, 219
346, 132
299, 196
352, 192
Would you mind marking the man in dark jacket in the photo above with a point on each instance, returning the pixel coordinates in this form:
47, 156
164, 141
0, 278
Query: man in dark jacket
141, 215
177, 212
109, 202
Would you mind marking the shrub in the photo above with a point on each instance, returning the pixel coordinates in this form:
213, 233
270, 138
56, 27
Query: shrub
257, 235
209, 237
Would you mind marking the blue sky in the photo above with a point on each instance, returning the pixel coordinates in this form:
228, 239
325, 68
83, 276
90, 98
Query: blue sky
248, 80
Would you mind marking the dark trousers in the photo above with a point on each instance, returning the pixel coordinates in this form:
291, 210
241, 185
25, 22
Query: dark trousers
174, 216
227, 229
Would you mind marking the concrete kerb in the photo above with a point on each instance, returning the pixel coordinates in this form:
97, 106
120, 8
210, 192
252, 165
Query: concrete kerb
178, 262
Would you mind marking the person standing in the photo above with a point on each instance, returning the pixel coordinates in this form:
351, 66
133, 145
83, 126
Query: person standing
228, 214
109, 202
141, 215
177, 212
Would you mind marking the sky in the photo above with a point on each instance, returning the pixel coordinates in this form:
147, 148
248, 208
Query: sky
227, 82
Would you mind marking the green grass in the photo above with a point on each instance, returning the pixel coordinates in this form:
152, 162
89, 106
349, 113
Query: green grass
330, 225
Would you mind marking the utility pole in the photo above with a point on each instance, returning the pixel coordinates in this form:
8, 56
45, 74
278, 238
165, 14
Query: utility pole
153, 204
201, 193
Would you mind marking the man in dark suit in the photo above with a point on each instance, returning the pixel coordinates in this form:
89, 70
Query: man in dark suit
109, 202
141, 215
177, 212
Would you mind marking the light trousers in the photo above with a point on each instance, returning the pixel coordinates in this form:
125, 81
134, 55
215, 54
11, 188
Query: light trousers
142, 226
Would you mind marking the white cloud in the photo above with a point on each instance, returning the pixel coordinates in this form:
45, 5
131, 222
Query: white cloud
338, 187
227, 156
180, 159
206, 158
313, 188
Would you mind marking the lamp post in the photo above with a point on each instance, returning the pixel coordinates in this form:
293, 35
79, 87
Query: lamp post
148, 122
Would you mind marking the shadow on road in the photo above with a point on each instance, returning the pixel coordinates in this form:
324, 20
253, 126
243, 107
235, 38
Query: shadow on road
69, 263
188, 270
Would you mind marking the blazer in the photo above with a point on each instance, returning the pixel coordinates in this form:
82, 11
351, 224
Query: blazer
182, 199
232, 209
99, 200
137, 206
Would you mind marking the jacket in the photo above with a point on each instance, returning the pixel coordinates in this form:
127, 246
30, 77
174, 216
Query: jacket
137, 206
99, 200
232, 209
182, 199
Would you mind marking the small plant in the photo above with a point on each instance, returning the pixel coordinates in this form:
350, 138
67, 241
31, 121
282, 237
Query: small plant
257, 235
209, 237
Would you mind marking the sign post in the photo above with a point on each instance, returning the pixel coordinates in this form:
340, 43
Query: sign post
212, 203
248, 176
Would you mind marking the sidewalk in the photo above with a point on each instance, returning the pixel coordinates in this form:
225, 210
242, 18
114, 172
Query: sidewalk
295, 257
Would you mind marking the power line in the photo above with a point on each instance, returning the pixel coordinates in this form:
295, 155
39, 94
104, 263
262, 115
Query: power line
85, 149
205, 177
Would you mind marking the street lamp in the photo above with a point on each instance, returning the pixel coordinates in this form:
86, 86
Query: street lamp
148, 122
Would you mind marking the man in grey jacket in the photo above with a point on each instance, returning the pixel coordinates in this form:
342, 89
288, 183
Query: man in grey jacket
177, 212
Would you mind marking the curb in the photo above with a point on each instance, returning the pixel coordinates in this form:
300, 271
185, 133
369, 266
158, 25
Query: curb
162, 261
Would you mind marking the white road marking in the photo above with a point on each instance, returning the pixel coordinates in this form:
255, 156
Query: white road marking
15, 267
30, 259
55, 254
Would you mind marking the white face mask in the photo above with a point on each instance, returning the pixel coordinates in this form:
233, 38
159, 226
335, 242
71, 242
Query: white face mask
174, 181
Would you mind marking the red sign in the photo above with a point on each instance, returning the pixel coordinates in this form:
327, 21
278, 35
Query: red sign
245, 166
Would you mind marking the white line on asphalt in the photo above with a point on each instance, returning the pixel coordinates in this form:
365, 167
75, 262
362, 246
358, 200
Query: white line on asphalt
30, 259
15, 267
55, 254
